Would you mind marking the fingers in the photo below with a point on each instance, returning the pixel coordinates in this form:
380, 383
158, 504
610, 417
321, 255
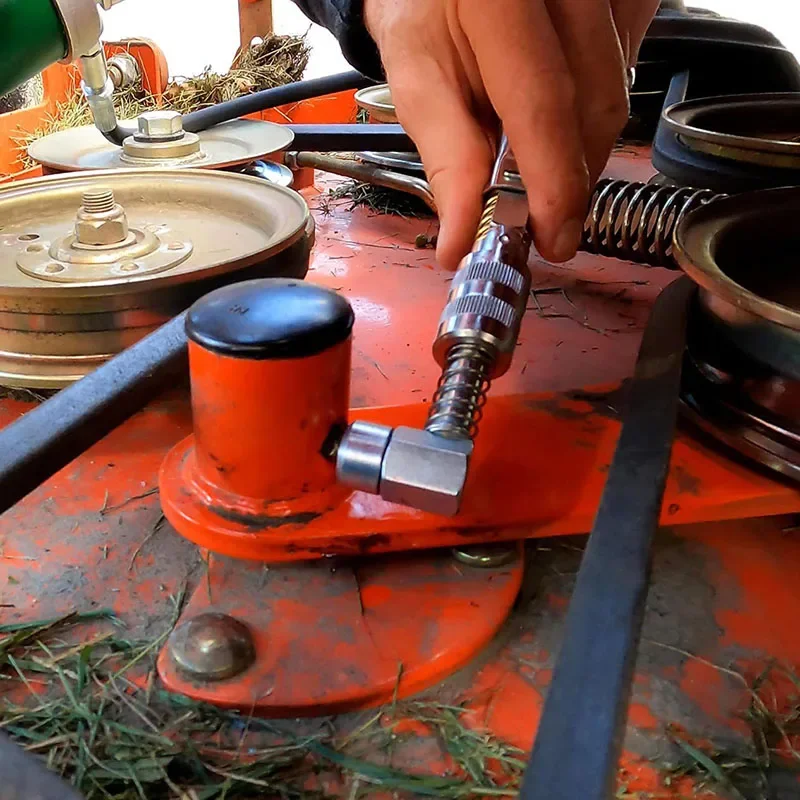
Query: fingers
593, 51
433, 107
527, 78
633, 18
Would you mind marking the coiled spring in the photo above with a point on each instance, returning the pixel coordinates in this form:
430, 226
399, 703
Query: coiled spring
457, 405
486, 218
637, 221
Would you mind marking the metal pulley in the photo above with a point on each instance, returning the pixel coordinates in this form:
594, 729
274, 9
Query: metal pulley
161, 142
91, 262
377, 102
757, 129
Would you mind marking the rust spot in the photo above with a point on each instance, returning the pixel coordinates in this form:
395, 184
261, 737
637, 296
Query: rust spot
260, 522
604, 404
344, 545
367, 543
555, 407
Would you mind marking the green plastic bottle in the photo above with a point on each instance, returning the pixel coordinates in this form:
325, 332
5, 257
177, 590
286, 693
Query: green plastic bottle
32, 37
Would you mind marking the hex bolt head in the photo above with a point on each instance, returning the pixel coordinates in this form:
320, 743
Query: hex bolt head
212, 647
100, 220
159, 125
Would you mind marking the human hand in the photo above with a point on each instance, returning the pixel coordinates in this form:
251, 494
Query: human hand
553, 71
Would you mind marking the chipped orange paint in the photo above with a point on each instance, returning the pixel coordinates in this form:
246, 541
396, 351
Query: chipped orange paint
330, 639
397, 293
504, 702
498, 503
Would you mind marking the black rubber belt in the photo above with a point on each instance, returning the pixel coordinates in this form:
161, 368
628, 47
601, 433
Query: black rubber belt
578, 743
25, 777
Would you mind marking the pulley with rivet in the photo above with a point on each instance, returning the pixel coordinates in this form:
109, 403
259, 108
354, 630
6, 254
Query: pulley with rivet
90, 262
160, 142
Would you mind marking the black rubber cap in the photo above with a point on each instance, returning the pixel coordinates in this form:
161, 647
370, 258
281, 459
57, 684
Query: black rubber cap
271, 318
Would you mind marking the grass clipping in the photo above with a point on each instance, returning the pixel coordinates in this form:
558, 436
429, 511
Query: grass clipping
267, 63
93, 713
376, 199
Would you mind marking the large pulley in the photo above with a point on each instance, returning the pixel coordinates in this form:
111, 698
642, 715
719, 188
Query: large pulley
91, 262
160, 142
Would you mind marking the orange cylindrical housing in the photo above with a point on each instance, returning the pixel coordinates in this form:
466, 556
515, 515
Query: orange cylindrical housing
260, 426
269, 363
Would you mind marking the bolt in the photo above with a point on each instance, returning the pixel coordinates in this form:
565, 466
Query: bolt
101, 220
157, 125
486, 556
123, 70
212, 647
98, 201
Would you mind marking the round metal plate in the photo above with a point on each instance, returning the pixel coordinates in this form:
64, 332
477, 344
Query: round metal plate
269, 171
143, 253
730, 248
738, 425
226, 145
759, 129
377, 100
740, 251
52, 332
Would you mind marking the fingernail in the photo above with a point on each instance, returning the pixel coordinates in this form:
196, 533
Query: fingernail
568, 240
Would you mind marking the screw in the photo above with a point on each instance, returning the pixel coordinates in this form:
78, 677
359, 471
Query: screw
98, 201
212, 647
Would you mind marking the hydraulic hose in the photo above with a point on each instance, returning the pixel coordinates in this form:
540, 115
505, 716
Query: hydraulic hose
205, 118
118, 135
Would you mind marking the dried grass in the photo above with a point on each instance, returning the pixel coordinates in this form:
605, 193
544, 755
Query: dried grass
270, 62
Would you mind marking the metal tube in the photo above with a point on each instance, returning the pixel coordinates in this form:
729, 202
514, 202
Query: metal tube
98, 88
366, 173
347, 138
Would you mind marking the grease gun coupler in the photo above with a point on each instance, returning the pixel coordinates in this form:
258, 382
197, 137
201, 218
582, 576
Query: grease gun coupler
475, 342
480, 324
